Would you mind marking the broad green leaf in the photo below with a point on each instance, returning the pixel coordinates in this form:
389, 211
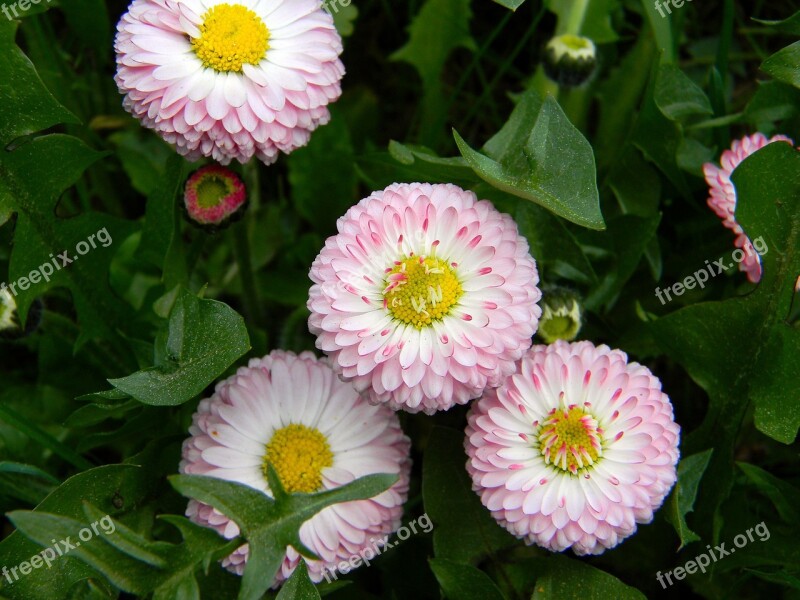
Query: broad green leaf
271, 525
143, 156
112, 489
784, 65
569, 579
764, 368
429, 167
773, 101
34, 176
439, 28
681, 502
203, 339
26, 106
783, 495
299, 586
464, 531
127, 559
540, 156
677, 96
464, 582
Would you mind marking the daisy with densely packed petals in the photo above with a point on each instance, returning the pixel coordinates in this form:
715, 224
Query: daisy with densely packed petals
722, 199
319, 434
425, 297
574, 449
229, 80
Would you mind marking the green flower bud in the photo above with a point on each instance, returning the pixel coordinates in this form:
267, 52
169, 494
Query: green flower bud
561, 316
570, 60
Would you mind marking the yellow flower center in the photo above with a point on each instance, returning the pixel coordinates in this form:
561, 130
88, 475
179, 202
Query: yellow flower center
299, 454
421, 290
231, 35
570, 439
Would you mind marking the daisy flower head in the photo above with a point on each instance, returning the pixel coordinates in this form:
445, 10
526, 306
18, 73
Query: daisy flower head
722, 198
574, 449
319, 434
425, 297
229, 79
214, 196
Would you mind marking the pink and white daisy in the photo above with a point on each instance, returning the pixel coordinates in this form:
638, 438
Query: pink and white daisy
319, 434
722, 199
574, 449
213, 196
425, 297
229, 80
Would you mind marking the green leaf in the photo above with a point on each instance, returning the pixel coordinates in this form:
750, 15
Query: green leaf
34, 176
431, 168
271, 525
104, 487
510, 4
540, 156
162, 222
344, 15
783, 495
127, 559
203, 339
789, 25
627, 239
678, 96
464, 530
26, 106
299, 586
463, 582
568, 579
662, 30
440, 27
784, 65
681, 502
764, 368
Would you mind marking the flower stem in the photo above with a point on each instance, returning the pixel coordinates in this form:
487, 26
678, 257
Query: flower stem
573, 20
241, 252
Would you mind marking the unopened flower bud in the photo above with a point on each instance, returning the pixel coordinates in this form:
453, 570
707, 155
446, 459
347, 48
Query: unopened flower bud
570, 60
214, 197
561, 315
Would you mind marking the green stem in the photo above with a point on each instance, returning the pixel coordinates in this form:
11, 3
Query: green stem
43, 438
574, 17
241, 251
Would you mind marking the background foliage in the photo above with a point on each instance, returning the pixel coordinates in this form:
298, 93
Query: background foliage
606, 184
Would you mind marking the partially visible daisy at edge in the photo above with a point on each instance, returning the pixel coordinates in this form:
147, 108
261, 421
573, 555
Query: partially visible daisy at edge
319, 434
574, 449
229, 80
425, 297
722, 199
